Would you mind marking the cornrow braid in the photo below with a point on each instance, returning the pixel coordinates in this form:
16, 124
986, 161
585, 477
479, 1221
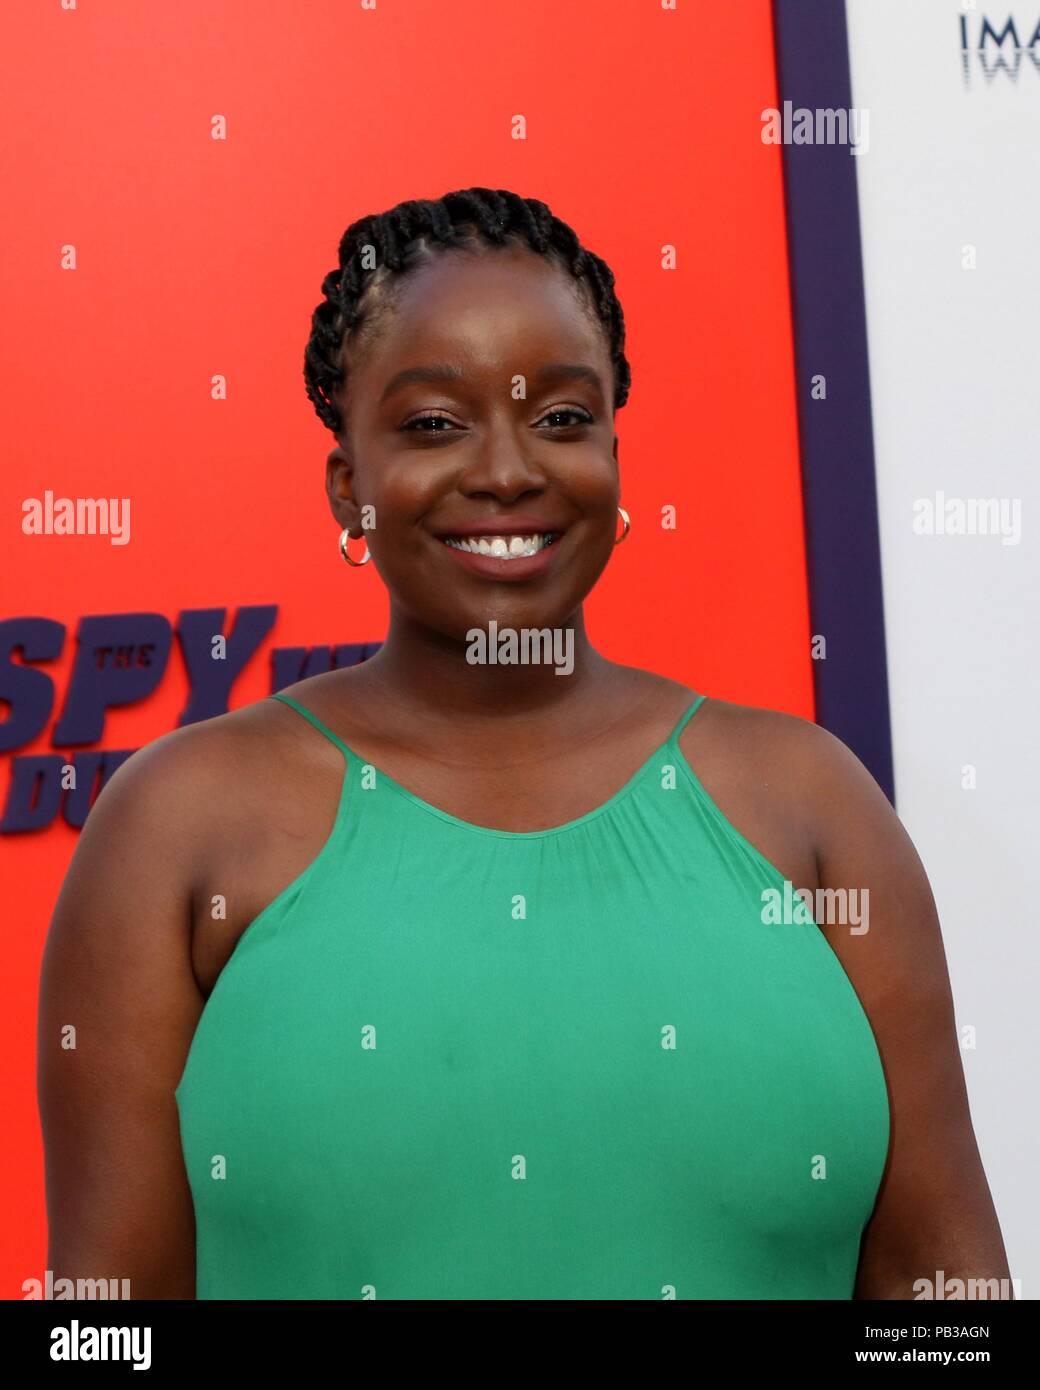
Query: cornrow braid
378, 249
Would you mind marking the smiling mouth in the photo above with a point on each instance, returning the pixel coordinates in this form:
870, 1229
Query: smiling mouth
504, 547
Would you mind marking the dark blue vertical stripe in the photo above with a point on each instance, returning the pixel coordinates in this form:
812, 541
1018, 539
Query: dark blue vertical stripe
830, 339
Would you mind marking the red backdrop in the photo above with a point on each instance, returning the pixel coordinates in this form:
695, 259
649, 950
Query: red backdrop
197, 257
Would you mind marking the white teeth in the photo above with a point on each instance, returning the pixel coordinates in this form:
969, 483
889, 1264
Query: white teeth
501, 547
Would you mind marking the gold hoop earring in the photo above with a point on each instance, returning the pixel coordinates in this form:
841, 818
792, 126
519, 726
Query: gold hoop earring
628, 526
343, 539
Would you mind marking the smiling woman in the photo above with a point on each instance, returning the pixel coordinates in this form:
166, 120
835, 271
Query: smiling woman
484, 1002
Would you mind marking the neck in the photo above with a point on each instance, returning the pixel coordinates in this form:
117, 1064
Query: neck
444, 679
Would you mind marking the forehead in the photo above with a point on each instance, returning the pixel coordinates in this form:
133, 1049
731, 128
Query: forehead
489, 305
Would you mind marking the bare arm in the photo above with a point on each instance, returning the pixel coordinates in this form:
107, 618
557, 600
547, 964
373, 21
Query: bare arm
118, 1007
934, 1210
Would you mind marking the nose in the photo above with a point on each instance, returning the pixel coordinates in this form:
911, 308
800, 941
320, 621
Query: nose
502, 467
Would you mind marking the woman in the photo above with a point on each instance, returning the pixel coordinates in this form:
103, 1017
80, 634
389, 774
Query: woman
443, 977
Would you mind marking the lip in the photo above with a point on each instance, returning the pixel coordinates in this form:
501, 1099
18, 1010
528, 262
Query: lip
494, 566
505, 526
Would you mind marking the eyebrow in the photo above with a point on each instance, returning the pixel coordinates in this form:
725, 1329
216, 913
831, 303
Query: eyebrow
549, 375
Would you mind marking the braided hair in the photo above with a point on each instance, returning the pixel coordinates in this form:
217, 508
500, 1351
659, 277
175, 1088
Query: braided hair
378, 250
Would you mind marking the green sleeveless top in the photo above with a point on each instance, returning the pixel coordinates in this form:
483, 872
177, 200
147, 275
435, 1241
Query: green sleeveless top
454, 1062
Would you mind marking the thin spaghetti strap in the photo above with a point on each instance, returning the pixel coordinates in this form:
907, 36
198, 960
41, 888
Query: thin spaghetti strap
348, 753
691, 711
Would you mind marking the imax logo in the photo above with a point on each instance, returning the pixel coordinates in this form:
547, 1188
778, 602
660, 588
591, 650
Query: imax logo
991, 47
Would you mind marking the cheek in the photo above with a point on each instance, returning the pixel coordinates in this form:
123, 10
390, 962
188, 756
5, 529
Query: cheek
402, 496
410, 484
404, 499
590, 476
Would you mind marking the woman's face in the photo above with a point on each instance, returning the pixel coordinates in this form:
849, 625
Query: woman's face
521, 440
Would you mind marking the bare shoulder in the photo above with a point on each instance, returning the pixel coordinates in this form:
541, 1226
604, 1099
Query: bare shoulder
785, 737
163, 773
818, 782
193, 776
822, 777
791, 786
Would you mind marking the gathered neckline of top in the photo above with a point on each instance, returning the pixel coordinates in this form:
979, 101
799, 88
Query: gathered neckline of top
350, 756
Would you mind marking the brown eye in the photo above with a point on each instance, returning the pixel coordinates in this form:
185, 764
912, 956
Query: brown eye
581, 417
421, 419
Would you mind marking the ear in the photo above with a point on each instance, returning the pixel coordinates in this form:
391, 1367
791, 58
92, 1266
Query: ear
617, 466
339, 485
